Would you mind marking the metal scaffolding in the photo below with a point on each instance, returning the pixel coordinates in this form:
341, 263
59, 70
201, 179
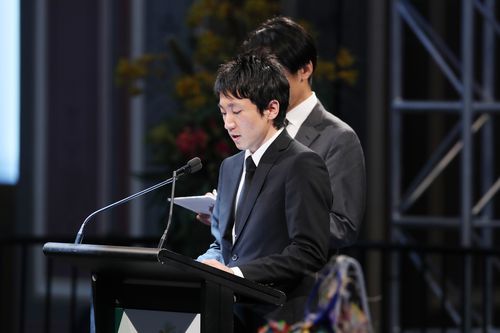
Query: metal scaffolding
475, 109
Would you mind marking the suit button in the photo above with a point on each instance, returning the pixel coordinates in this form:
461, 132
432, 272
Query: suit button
234, 257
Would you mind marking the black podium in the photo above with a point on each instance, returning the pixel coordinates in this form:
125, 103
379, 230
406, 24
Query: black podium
152, 279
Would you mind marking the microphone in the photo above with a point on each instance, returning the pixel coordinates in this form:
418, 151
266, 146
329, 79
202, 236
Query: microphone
193, 165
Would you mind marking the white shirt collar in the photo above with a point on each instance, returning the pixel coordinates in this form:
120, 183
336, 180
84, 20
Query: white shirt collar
257, 155
298, 114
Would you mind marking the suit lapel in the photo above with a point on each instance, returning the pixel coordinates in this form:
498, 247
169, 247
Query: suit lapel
266, 163
232, 182
308, 132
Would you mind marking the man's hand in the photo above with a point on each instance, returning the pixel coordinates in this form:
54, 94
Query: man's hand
204, 218
218, 265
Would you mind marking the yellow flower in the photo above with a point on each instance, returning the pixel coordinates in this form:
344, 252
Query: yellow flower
206, 78
209, 45
195, 102
256, 11
187, 86
194, 89
325, 70
350, 76
344, 58
338, 70
199, 11
223, 11
161, 134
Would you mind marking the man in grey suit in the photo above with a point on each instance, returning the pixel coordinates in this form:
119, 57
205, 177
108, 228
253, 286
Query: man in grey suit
310, 124
274, 197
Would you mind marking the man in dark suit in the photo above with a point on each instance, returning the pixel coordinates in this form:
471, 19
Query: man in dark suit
272, 208
311, 124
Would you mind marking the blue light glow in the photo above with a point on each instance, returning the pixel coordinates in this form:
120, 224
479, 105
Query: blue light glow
9, 91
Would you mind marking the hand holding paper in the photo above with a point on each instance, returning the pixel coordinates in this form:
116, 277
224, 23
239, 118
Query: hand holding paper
199, 204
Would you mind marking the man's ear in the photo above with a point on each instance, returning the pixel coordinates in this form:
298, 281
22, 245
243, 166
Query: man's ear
306, 71
273, 109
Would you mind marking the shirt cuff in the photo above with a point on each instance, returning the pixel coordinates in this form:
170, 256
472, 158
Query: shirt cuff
237, 272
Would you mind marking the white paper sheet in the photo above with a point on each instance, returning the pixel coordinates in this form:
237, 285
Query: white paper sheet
198, 204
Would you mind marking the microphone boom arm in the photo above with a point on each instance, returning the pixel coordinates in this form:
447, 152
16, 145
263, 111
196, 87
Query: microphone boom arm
192, 166
79, 235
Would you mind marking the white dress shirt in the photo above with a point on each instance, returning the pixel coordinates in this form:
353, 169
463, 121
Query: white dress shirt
298, 114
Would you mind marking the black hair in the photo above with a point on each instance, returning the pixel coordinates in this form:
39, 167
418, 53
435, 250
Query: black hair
292, 45
260, 78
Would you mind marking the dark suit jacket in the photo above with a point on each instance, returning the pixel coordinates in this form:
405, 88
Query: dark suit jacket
341, 150
282, 237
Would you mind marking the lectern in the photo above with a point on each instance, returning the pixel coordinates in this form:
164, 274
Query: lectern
153, 279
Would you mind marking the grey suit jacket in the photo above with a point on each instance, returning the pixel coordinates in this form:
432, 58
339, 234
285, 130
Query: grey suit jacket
341, 150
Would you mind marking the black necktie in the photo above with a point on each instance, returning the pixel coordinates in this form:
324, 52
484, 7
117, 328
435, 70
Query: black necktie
249, 172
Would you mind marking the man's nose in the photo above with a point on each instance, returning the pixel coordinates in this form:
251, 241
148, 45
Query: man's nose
229, 122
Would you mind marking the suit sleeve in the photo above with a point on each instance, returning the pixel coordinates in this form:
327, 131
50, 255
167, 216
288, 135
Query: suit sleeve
346, 166
214, 251
308, 199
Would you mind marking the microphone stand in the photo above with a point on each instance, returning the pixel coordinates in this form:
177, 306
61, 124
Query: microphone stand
192, 166
79, 235
163, 238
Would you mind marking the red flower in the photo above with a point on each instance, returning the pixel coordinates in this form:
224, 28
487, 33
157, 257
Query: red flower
190, 142
200, 138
